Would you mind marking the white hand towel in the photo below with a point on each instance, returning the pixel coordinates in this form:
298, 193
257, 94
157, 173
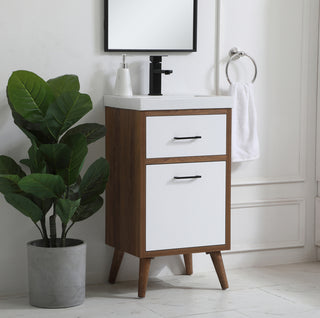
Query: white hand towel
245, 143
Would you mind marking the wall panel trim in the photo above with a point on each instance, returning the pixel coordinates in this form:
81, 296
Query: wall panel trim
300, 202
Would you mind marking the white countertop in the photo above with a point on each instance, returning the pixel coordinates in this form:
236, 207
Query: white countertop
168, 102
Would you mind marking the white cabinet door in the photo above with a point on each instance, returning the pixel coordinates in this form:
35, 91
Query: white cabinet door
186, 212
182, 136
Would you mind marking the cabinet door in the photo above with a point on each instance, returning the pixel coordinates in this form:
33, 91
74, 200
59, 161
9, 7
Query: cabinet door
183, 136
185, 212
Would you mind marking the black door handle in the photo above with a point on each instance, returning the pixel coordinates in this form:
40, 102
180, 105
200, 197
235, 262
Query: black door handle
188, 177
183, 138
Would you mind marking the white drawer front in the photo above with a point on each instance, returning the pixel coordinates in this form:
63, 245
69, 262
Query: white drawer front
185, 212
162, 131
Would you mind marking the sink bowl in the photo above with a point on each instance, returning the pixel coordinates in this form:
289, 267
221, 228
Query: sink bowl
168, 102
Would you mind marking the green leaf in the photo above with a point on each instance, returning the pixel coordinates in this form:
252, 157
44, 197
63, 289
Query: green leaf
65, 209
9, 184
79, 149
66, 110
92, 132
42, 186
37, 132
85, 211
12, 177
25, 127
36, 161
57, 156
66, 159
94, 181
9, 166
25, 206
65, 83
29, 95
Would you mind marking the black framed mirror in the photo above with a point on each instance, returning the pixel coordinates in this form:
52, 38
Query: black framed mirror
150, 25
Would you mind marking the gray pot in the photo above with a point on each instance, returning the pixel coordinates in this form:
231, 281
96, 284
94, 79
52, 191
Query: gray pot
57, 275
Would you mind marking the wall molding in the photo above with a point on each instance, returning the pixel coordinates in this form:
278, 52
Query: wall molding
317, 221
304, 87
263, 181
272, 202
299, 202
217, 45
318, 113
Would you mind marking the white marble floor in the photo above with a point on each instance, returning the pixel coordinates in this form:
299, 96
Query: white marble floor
290, 291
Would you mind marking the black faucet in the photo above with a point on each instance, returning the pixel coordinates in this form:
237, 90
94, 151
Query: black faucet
155, 74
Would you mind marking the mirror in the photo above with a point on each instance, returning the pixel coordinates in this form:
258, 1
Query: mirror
150, 25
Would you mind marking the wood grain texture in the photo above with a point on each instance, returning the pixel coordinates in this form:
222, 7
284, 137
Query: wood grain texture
124, 204
182, 112
219, 267
188, 250
188, 263
152, 161
115, 265
228, 180
143, 276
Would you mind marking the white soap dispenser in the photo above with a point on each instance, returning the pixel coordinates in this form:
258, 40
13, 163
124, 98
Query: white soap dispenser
123, 82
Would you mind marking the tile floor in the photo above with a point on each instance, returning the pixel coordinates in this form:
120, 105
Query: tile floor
291, 291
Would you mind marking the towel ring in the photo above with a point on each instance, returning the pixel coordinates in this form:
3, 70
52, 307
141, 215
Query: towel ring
234, 55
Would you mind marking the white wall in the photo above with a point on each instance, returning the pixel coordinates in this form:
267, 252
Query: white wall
272, 198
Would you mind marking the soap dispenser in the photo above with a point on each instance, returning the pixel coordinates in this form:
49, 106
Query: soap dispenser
123, 82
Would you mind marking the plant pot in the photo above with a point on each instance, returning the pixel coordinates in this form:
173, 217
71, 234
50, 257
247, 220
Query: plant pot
56, 275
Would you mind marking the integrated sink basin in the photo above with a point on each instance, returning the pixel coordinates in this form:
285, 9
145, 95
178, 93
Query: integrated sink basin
167, 102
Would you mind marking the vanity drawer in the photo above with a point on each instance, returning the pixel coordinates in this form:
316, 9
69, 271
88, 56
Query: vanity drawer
185, 212
183, 136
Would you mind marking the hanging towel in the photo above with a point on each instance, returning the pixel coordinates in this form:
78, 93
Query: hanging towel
245, 143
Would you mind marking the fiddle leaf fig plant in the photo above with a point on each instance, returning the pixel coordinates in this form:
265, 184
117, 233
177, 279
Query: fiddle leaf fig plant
53, 187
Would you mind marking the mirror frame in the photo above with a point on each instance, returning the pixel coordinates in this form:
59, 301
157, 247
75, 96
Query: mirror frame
106, 42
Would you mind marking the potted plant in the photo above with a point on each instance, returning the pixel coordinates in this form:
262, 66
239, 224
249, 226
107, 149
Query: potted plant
52, 193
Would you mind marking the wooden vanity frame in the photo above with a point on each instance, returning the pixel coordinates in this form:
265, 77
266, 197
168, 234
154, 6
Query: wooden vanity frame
126, 191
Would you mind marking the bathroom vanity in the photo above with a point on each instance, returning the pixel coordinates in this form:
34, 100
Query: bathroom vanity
169, 186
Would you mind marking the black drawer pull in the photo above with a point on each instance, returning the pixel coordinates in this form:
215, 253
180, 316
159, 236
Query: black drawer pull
188, 177
184, 138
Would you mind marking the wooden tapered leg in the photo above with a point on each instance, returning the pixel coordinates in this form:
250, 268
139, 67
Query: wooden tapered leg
188, 263
143, 276
116, 262
219, 267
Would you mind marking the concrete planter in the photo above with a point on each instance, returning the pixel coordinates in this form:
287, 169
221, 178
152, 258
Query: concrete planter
56, 275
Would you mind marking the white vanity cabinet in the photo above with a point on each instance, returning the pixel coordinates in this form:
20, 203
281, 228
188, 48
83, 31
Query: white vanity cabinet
169, 186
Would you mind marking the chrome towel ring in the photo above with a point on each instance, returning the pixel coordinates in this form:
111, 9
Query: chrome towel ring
234, 55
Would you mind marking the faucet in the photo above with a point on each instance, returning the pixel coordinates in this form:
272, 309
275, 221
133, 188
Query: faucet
155, 74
